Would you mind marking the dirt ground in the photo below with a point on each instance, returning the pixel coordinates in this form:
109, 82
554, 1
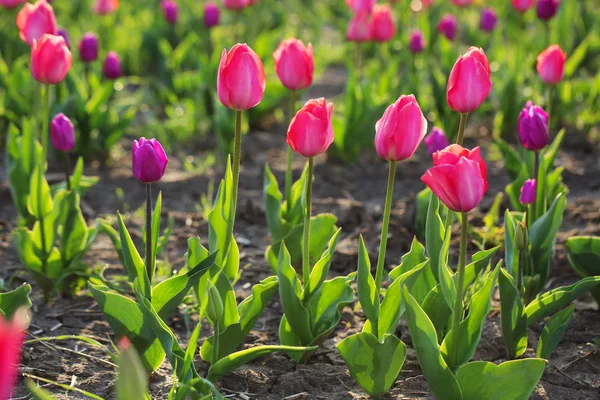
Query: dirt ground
355, 193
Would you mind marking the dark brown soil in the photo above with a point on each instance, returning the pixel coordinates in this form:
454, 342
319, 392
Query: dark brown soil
355, 193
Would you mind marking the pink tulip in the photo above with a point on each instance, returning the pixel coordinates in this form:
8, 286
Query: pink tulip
358, 6
35, 20
62, 133
310, 132
241, 78
148, 160
105, 7
383, 27
11, 341
458, 177
50, 59
469, 83
8, 4
551, 64
294, 64
522, 5
359, 28
401, 129
462, 3
236, 4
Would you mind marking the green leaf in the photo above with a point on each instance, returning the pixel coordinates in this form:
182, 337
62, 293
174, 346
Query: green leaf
434, 235
272, 199
553, 332
422, 204
39, 202
374, 365
233, 361
155, 232
424, 336
512, 316
510, 252
511, 380
132, 381
410, 260
437, 310
479, 261
38, 392
555, 299
320, 270
74, 228
552, 151
12, 301
445, 275
583, 253
367, 292
133, 261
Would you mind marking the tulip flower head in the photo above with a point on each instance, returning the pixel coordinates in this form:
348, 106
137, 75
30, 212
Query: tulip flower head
170, 11
8, 4
112, 66
436, 141
36, 20
533, 127
62, 133
11, 341
447, 26
241, 78
462, 3
359, 27
148, 160
310, 132
236, 4
358, 6
417, 42
105, 7
50, 59
469, 83
211, 14
488, 20
528, 192
294, 64
522, 5
65, 35
546, 9
458, 177
551, 65
383, 27
88, 48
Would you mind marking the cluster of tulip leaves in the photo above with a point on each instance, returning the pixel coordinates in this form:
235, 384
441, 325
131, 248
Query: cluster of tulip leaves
285, 222
584, 256
13, 300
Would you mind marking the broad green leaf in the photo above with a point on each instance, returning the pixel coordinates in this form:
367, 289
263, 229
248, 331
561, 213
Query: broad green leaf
133, 261
511, 380
367, 292
583, 253
512, 316
325, 306
552, 151
374, 365
38, 392
439, 377
190, 352
39, 202
272, 199
422, 204
437, 310
553, 332
12, 301
114, 237
132, 381
320, 270
74, 228
410, 260
230, 312
434, 235
511, 258
445, 275
479, 261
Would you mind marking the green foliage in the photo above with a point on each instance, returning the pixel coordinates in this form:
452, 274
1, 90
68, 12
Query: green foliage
553, 332
132, 381
512, 316
583, 253
10, 302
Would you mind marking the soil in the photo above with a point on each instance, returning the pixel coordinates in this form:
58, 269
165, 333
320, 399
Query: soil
355, 194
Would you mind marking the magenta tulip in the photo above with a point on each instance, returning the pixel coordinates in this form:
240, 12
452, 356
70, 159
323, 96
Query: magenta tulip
533, 127
469, 83
546, 9
112, 66
359, 28
211, 14
462, 3
358, 6
65, 35
36, 20
383, 27
236, 4
436, 141
528, 192
417, 42
170, 11
148, 160
88, 48
488, 20
62, 133
310, 132
551, 64
8, 4
522, 5
50, 59
294, 64
448, 26
241, 78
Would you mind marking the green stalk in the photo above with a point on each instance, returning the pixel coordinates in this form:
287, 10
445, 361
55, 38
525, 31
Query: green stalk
290, 152
68, 172
237, 154
536, 168
358, 62
457, 314
520, 273
306, 248
149, 267
44, 133
549, 104
215, 344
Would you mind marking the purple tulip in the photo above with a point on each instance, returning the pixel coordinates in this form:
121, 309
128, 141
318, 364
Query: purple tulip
417, 43
112, 66
170, 11
88, 48
211, 14
546, 9
65, 35
533, 127
488, 20
528, 192
447, 26
62, 133
436, 140
148, 160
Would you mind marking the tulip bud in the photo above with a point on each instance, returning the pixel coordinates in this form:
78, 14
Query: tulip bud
170, 11
551, 65
401, 129
528, 192
359, 28
462, 3
383, 27
8, 4
211, 14
50, 59
65, 36
447, 26
35, 20
546, 9
436, 140
11, 342
236, 4
294, 64
62, 133
105, 7
417, 42
469, 83
88, 48
148, 160
533, 127
488, 20
241, 78
310, 132
358, 6
458, 177
112, 66
522, 5
214, 306
521, 239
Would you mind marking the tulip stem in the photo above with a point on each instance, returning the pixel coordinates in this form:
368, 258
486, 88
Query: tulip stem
359, 62
384, 227
149, 259
520, 272
306, 248
215, 344
461, 128
549, 105
68, 171
45, 93
237, 150
458, 312
290, 152
536, 171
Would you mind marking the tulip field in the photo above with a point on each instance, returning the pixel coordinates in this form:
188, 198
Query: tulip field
300, 199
